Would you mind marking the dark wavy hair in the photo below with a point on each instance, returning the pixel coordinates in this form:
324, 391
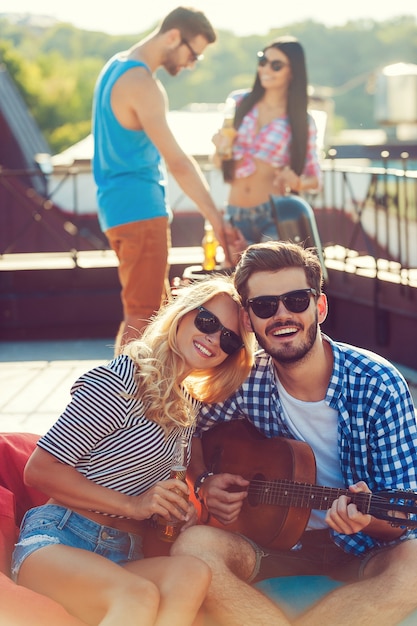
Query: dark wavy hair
296, 106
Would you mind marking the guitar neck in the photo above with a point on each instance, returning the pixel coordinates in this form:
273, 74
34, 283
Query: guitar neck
305, 496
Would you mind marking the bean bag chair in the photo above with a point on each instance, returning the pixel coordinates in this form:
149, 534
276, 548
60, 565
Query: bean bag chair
20, 606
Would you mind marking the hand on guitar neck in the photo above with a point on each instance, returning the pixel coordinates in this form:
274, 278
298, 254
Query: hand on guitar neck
345, 517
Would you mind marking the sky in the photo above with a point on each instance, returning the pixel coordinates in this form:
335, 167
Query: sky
239, 16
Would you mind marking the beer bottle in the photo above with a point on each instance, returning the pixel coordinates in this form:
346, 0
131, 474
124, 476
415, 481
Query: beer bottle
168, 530
210, 245
228, 131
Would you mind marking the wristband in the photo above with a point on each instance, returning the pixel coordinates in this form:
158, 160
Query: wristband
199, 483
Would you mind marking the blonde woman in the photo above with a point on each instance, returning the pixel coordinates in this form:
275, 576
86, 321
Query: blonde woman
105, 464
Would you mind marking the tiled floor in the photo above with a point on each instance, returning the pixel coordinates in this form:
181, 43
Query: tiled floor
36, 378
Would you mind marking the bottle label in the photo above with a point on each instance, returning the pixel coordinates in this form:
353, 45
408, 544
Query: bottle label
169, 531
178, 472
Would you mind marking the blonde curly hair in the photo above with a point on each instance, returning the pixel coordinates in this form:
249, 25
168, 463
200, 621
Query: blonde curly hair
160, 366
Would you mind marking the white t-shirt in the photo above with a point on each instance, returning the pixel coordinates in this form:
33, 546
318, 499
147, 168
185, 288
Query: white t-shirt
316, 424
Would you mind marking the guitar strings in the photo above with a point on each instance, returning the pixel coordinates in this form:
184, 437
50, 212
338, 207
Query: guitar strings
281, 491
261, 486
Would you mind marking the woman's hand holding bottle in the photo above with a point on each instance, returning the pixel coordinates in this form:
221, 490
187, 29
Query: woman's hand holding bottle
224, 138
287, 181
164, 498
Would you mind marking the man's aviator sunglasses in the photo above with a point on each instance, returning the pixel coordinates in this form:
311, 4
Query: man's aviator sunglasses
276, 65
207, 323
294, 301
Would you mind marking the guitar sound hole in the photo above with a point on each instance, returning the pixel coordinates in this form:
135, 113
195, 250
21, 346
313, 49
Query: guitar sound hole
255, 489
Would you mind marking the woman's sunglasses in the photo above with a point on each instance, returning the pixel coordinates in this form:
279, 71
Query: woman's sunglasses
276, 66
207, 323
294, 301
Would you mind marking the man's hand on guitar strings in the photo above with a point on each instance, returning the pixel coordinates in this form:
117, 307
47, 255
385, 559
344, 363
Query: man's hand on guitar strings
223, 495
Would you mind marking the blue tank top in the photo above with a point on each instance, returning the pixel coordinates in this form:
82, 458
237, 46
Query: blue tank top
128, 169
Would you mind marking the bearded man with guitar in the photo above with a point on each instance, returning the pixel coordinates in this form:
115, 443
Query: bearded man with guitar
324, 425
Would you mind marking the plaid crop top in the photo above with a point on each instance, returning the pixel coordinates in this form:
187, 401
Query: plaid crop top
271, 143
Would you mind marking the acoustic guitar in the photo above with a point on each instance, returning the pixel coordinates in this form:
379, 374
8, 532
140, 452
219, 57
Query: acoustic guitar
282, 489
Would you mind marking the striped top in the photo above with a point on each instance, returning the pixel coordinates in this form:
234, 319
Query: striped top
105, 435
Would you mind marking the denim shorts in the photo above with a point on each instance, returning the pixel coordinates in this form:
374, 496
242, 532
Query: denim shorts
255, 223
315, 554
51, 525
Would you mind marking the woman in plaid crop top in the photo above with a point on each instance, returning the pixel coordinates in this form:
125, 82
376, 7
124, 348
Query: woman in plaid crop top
275, 145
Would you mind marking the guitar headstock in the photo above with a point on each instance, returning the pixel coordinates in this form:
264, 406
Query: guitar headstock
396, 507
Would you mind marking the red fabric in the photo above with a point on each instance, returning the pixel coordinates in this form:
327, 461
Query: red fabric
15, 449
8, 529
20, 606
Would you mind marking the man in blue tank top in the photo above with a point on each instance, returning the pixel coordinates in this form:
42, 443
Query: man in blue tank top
132, 144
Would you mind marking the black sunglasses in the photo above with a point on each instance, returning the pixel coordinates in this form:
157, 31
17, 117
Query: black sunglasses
194, 56
276, 66
207, 323
294, 301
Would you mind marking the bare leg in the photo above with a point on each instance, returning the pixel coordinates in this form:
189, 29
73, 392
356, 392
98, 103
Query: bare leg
229, 601
183, 582
384, 598
91, 587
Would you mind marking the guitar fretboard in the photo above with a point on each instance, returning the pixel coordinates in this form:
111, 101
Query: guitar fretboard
303, 495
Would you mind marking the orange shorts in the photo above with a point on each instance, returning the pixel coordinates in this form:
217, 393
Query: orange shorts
142, 250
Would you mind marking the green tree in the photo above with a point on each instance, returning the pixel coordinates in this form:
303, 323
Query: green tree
55, 68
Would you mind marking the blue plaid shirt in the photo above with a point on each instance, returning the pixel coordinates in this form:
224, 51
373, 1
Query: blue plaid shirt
377, 429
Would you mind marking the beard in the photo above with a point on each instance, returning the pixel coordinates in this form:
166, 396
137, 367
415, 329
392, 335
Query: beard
172, 68
170, 63
287, 353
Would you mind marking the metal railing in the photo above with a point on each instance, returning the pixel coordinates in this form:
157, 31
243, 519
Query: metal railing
369, 211
361, 211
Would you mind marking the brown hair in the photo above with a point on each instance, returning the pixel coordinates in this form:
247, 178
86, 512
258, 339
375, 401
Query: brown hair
190, 22
272, 256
